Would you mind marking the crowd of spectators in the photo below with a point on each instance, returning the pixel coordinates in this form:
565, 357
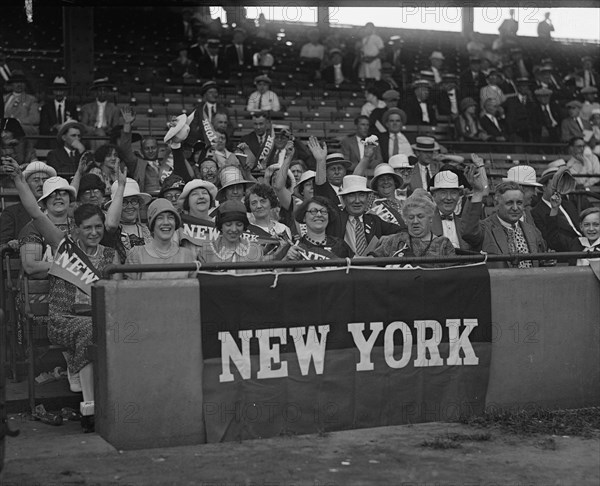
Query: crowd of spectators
274, 197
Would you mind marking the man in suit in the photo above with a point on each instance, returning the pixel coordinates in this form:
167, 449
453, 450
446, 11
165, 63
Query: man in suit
213, 64
426, 167
391, 97
419, 107
58, 110
100, 116
22, 106
573, 125
503, 232
393, 142
237, 54
446, 192
546, 117
472, 79
492, 120
519, 112
586, 76
448, 96
65, 157
353, 147
353, 224
258, 137
204, 112
338, 72
568, 218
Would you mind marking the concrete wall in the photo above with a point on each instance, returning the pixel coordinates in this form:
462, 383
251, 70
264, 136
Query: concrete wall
545, 352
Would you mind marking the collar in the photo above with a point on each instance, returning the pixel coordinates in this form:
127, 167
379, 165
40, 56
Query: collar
587, 245
507, 225
101, 103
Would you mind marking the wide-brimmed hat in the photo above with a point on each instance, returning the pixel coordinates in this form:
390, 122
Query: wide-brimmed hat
69, 124
102, 83
551, 170
385, 169
445, 179
17, 76
195, 184
352, 184
399, 161
307, 176
56, 183
523, 175
208, 85
132, 188
390, 94
37, 166
231, 211
59, 82
170, 183
159, 206
264, 78
437, 55
337, 158
394, 111
181, 130
425, 144
230, 176
13, 126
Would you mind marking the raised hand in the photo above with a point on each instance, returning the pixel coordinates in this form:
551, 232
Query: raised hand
289, 149
11, 167
121, 174
555, 200
318, 150
128, 114
86, 161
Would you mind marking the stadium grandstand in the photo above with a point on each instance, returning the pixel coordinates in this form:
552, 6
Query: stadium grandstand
198, 135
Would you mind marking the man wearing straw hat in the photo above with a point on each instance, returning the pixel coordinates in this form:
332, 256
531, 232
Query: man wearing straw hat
425, 168
101, 115
568, 217
59, 110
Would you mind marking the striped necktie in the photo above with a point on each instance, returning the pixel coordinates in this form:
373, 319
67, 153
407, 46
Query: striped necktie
361, 239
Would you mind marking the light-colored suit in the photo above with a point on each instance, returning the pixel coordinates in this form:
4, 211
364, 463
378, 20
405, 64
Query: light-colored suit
89, 113
25, 108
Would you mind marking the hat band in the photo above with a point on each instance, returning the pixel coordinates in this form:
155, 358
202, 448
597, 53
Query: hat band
425, 146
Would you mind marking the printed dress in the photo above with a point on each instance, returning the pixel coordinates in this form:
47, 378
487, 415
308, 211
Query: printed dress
64, 327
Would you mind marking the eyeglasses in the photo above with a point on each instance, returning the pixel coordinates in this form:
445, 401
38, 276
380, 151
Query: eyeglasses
131, 202
171, 197
314, 211
92, 192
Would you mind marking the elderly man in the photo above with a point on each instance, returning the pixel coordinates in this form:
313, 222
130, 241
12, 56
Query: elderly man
353, 146
419, 107
15, 217
446, 192
568, 217
590, 102
492, 120
65, 158
426, 167
525, 176
573, 125
393, 141
503, 232
22, 106
583, 161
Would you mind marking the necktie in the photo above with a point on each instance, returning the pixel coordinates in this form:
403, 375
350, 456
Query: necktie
579, 124
361, 239
214, 60
59, 115
396, 147
518, 244
240, 54
428, 178
260, 102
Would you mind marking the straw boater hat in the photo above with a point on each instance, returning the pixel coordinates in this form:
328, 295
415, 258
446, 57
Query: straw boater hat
337, 158
445, 179
36, 166
196, 184
56, 184
523, 175
131, 189
385, 169
425, 144
181, 130
102, 83
352, 184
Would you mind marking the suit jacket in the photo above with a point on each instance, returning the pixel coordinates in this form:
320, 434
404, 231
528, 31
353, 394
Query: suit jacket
350, 151
541, 120
25, 109
438, 230
469, 86
490, 236
48, 116
12, 221
60, 160
328, 74
207, 69
415, 176
384, 146
491, 129
251, 139
519, 117
556, 239
233, 60
89, 112
414, 115
569, 128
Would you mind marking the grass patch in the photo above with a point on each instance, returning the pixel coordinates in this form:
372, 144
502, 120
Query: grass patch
584, 422
453, 440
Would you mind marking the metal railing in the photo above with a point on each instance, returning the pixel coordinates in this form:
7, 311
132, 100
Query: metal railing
343, 262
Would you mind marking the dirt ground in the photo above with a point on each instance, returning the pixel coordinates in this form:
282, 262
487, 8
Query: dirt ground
425, 454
